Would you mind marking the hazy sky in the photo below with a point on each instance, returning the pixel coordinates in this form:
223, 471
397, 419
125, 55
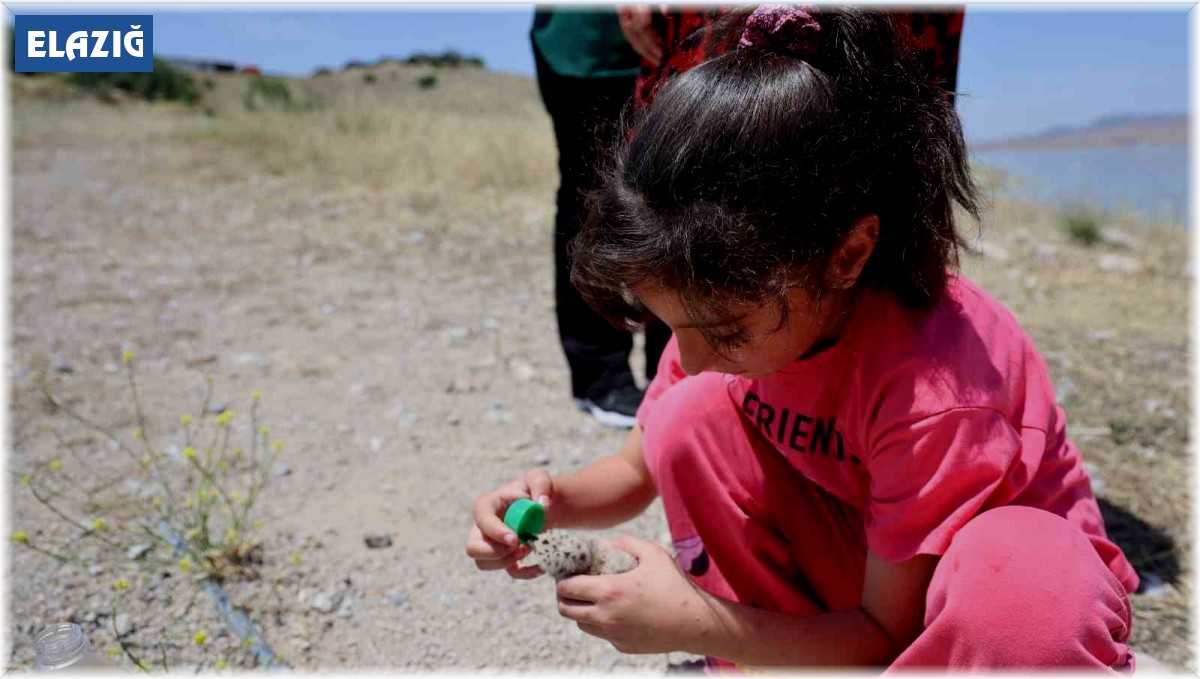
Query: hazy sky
1021, 70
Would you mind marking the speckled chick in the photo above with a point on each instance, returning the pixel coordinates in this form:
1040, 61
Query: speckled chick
562, 554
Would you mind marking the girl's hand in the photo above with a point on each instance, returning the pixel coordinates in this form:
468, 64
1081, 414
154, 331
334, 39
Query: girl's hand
492, 544
653, 608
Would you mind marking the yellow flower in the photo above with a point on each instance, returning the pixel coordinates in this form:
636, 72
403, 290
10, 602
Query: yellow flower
221, 664
256, 395
235, 495
200, 638
146, 460
26, 480
121, 585
185, 420
246, 644
113, 651
189, 453
127, 356
157, 502
266, 431
20, 536
192, 533
189, 503
222, 464
278, 446
224, 418
237, 453
98, 524
230, 535
297, 559
56, 465
185, 564
258, 524
138, 433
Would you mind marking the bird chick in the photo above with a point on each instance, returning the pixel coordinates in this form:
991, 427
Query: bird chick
561, 554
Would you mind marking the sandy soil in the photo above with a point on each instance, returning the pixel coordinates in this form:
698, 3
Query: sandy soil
402, 334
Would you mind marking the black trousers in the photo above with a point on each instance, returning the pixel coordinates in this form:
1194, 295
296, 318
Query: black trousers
585, 112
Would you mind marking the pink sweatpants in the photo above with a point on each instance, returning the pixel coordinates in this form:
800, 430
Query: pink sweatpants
1018, 587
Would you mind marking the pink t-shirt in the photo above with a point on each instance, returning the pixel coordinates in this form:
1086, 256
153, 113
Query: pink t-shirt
922, 420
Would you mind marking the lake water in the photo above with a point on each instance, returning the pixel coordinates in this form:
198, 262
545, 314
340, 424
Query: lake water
1149, 181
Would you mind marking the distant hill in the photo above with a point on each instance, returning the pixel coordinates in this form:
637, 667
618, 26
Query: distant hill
1113, 130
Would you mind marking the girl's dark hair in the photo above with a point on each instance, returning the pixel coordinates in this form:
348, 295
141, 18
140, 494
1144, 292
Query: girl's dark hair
747, 171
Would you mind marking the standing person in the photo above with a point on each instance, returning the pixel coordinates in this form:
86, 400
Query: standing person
586, 74
858, 450
672, 40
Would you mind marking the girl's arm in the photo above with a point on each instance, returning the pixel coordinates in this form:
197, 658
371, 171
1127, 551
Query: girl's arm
611, 491
888, 621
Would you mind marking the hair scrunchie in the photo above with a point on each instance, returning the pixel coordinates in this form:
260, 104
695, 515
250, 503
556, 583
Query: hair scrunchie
788, 29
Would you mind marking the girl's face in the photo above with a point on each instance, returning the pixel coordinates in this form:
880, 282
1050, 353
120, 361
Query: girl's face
763, 347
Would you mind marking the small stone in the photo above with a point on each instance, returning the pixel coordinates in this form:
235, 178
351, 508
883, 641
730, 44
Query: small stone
217, 408
415, 237
328, 309
124, 625
376, 444
282, 469
246, 359
138, 551
1118, 263
95, 570
406, 418
110, 368
1153, 405
1102, 335
458, 333
521, 370
542, 459
397, 598
325, 602
62, 365
453, 419
381, 541
498, 415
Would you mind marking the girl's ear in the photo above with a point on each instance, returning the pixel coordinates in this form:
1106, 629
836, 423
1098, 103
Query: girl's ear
852, 254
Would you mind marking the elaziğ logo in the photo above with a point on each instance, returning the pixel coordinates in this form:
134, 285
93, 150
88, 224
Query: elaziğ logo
77, 43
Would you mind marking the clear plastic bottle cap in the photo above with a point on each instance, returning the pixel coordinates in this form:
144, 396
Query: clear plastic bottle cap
59, 646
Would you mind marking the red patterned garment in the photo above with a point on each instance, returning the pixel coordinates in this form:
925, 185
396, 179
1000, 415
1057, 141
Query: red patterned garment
935, 35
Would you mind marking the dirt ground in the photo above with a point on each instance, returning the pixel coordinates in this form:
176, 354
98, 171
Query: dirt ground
381, 270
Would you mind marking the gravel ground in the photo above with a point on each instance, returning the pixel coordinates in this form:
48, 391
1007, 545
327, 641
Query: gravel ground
407, 355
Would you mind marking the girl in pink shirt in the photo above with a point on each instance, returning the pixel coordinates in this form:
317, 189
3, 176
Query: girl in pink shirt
858, 451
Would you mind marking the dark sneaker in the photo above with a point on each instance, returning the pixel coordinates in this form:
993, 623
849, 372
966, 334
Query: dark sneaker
616, 408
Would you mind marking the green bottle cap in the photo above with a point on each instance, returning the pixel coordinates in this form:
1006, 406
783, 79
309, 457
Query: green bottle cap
526, 517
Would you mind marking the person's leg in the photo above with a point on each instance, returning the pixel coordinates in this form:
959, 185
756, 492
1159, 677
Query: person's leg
584, 112
1022, 588
746, 525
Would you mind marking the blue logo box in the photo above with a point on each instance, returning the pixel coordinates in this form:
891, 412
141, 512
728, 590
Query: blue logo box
84, 43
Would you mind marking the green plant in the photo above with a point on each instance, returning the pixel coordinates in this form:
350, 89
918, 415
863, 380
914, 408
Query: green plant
187, 510
427, 81
1082, 226
368, 78
270, 93
164, 83
209, 84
